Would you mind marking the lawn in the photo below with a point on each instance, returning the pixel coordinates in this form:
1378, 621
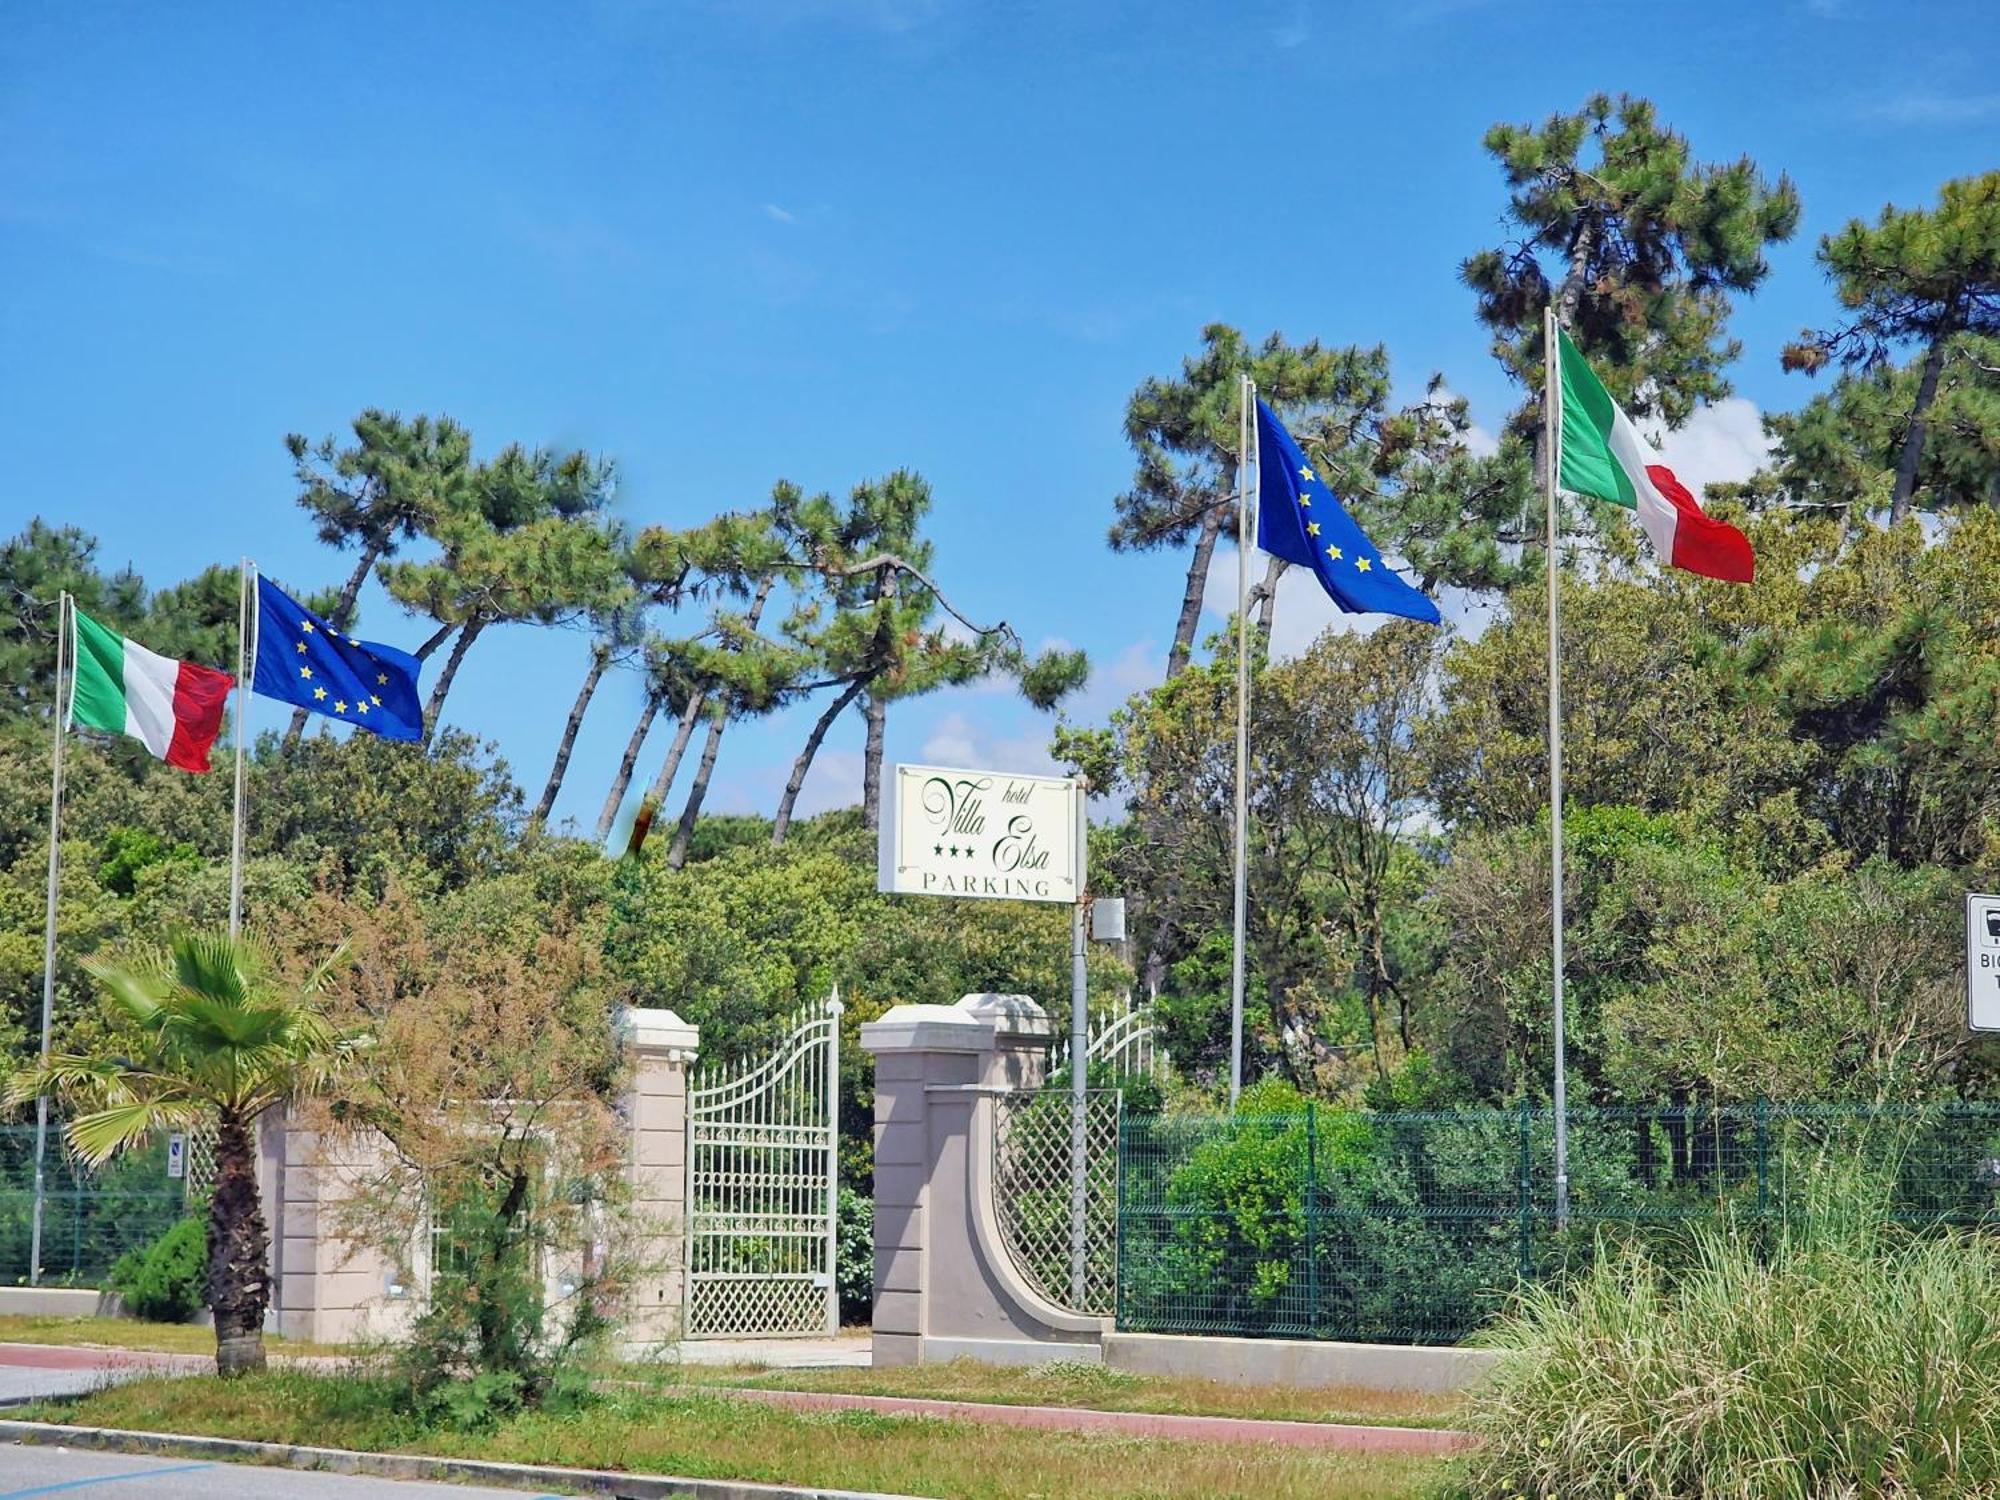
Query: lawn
701, 1434
1082, 1385
130, 1333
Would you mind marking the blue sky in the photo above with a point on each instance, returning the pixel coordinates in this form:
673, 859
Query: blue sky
819, 239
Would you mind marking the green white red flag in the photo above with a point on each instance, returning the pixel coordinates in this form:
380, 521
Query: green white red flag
1605, 456
172, 707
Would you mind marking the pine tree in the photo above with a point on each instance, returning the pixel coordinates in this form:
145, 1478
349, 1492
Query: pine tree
393, 482
1184, 432
524, 543
1923, 277
1639, 246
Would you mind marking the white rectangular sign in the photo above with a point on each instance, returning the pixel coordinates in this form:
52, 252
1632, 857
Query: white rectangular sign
177, 1149
983, 834
1982, 961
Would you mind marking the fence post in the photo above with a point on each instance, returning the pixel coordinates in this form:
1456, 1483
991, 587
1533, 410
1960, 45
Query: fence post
1763, 1158
1527, 1197
1118, 1218
1312, 1217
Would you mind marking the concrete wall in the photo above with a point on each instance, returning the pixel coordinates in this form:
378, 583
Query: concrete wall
58, 1302
327, 1289
944, 1284
1307, 1362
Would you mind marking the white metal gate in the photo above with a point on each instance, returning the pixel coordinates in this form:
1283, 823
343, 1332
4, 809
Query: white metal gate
763, 1186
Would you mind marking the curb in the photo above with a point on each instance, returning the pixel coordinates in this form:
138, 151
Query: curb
603, 1482
1346, 1437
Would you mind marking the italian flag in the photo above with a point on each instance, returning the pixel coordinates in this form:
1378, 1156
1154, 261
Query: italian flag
174, 707
1603, 455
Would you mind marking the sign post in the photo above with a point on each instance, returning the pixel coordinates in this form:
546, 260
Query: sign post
990, 835
1982, 961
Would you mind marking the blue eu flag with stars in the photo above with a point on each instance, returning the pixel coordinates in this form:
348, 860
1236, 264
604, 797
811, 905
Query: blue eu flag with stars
1299, 519
303, 660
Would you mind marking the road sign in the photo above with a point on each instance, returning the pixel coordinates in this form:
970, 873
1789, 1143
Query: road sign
177, 1155
1982, 961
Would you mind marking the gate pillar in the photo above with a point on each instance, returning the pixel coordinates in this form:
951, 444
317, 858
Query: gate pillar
945, 1285
656, 1117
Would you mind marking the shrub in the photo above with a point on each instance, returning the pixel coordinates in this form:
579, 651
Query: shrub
166, 1281
854, 1256
1857, 1359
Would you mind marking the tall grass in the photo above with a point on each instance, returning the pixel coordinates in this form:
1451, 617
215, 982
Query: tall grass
1841, 1356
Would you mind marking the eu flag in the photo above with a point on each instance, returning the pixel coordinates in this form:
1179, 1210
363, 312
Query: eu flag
303, 660
1299, 519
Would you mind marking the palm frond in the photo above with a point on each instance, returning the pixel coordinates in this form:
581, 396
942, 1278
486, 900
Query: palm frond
132, 990
102, 1134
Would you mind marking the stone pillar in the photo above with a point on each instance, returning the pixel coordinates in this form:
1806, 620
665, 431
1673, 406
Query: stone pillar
944, 1285
664, 1046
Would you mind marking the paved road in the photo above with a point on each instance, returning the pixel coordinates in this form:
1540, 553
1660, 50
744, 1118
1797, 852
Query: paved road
33, 1471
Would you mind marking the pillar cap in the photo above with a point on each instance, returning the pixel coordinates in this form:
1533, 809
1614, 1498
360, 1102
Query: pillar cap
660, 1030
1010, 1016
927, 1028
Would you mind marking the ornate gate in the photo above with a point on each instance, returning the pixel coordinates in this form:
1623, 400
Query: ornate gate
762, 1186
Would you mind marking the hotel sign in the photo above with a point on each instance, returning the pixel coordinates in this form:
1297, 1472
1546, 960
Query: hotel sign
982, 834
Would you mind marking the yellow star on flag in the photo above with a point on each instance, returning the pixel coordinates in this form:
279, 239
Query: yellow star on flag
1334, 553
302, 648
1362, 565
362, 707
381, 679
306, 626
374, 700
1306, 501
1312, 528
1306, 474
306, 672
340, 705
319, 693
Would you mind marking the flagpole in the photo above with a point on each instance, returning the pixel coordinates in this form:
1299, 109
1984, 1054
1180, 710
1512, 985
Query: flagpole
1245, 428
245, 654
1552, 454
63, 664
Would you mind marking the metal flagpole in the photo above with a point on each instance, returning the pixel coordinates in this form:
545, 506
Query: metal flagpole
1552, 452
245, 655
65, 663
1246, 426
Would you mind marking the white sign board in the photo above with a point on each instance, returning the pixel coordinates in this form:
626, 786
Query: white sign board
1982, 961
177, 1155
982, 834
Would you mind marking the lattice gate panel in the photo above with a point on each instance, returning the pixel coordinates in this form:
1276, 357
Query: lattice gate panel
1033, 1183
762, 1177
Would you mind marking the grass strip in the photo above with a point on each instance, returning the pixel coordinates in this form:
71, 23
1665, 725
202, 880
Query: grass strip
1078, 1385
702, 1434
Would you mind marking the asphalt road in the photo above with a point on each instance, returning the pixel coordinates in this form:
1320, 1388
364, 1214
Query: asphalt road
34, 1471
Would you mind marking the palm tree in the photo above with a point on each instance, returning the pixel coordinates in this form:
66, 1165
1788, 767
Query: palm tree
217, 1035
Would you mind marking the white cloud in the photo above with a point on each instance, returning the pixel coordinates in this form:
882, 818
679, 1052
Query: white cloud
1720, 444
1935, 109
1140, 665
779, 215
959, 741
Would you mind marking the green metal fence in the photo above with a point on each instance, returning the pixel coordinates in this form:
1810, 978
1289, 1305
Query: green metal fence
89, 1219
1415, 1228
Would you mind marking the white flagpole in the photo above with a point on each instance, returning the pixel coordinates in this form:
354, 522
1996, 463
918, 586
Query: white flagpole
65, 663
1246, 428
1552, 452
246, 652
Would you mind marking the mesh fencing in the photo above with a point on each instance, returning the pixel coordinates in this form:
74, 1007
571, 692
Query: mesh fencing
89, 1218
1416, 1228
